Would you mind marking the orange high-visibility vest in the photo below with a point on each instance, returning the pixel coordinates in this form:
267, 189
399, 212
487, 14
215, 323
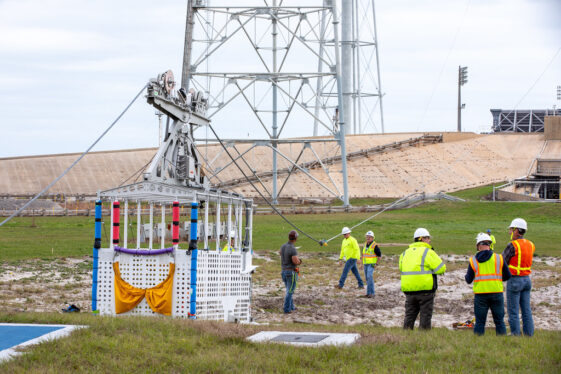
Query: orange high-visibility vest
521, 263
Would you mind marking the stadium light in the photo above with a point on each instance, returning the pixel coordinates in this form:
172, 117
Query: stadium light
463, 75
462, 79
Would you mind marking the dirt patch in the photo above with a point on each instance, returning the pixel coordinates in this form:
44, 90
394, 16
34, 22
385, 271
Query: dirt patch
41, 286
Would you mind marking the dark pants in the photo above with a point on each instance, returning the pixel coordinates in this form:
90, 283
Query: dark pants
290, 278
481, 305
414, 303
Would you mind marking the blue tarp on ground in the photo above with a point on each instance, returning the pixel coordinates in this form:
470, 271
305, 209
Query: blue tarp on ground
10, 336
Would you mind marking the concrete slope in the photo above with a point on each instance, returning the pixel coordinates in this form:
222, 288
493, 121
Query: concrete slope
461, 161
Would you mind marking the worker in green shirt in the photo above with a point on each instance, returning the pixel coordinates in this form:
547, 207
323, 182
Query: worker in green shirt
493, 241
350, 253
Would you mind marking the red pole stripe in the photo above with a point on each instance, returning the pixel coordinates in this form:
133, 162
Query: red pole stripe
175, 226
116, 221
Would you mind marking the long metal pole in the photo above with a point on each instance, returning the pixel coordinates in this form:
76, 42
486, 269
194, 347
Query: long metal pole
459, 99
342, 108
274, 143
186, 73
346, 61
378, 67
354, 38
358, 94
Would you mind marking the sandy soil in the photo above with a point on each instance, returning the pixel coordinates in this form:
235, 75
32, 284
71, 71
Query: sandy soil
42, 286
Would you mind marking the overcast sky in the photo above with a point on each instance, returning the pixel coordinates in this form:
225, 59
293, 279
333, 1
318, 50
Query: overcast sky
67, 68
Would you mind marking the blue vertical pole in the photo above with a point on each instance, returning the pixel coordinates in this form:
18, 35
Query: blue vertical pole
96, 247
194, 252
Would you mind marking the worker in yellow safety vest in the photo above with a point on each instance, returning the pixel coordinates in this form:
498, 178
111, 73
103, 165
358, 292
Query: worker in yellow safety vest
229, 247
493, 240
487, 270
519, 254
350, 254
419, 265
370, 254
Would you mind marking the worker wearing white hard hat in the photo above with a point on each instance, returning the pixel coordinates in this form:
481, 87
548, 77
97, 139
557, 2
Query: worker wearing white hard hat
419, 265
230, 246
519, 254
350, 254
370, 255
487, 270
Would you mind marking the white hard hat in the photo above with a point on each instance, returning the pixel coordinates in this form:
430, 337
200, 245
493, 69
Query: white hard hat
421, 232
370, 233
345, 230
482, 237
519, 223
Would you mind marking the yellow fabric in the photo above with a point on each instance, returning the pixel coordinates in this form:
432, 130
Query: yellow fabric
226, 248
159, 297
493, 242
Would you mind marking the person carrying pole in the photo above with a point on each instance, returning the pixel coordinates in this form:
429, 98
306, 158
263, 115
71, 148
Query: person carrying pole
350, 254
289, 264
487, 271
419, 265
370, 255
519, 254
493, 240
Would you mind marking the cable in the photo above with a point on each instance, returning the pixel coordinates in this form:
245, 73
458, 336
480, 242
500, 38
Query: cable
75, 162
444, 65
374, 215
320, 242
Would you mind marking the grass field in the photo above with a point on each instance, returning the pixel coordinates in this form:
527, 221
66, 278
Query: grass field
154, 345
453, 226
161, 345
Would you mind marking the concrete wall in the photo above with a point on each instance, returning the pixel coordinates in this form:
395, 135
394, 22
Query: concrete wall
552, 129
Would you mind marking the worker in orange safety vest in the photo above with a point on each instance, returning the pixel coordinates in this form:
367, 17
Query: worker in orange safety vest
519, 254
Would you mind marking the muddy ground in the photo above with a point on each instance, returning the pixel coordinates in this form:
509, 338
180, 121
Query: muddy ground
42, 286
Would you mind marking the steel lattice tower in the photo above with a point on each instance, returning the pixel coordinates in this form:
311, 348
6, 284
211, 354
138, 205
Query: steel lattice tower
272, 68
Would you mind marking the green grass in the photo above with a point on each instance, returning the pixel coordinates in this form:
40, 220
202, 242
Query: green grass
475, 194
453, 226
162, 345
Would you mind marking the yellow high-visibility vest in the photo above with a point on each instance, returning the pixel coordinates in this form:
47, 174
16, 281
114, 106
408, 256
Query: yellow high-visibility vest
488, 275
417, 265
368, 255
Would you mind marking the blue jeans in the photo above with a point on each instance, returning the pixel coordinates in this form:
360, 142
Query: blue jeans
481, 305
518, 296
350, 264
290, 278
369, 275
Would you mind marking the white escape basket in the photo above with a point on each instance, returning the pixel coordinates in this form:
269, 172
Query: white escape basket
212, 282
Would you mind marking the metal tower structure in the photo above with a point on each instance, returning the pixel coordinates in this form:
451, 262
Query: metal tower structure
274, 69
362, 86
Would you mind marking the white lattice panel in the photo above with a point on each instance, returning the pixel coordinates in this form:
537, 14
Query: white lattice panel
223, 292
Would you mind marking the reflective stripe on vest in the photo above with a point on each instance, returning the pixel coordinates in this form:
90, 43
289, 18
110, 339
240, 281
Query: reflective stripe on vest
518, 269
368, 255
422, 271
487, 281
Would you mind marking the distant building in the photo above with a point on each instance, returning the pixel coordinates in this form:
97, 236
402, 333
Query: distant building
521, 120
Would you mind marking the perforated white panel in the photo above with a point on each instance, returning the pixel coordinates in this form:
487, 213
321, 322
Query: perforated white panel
223, 292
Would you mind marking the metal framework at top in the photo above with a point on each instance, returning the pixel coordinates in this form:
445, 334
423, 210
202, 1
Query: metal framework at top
278, 68
521, 120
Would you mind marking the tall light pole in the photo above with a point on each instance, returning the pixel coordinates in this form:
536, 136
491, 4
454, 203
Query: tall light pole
462, 79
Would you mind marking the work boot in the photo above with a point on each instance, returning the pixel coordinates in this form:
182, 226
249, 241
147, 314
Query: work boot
338, 287
361, 287
363, 296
